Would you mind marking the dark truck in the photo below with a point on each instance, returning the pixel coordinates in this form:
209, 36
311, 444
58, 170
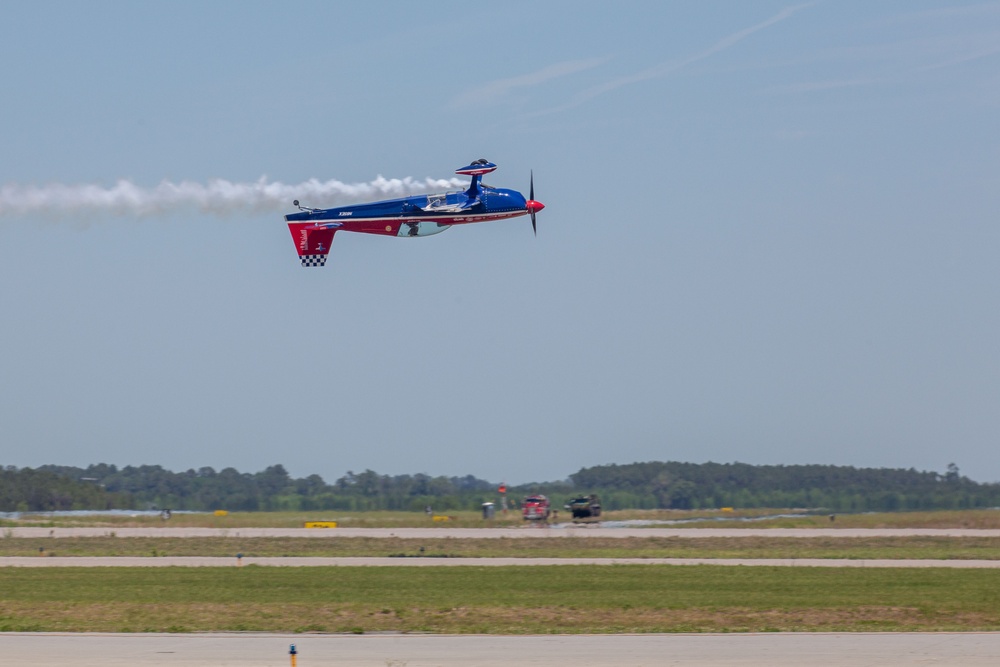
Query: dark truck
585, 508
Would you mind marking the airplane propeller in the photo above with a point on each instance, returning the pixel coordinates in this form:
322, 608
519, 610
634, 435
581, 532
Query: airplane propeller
532, 205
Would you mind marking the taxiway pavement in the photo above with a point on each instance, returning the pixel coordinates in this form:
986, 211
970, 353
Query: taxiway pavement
700, 650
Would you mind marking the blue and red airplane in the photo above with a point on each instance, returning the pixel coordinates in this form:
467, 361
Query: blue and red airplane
421, 215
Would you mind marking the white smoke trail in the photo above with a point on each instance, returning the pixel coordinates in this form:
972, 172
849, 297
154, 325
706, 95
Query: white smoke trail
217, 197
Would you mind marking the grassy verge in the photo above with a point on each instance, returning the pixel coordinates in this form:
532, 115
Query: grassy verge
986, 548
604, 599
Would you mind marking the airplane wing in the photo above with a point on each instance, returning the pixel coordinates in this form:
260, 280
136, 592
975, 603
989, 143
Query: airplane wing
313, 241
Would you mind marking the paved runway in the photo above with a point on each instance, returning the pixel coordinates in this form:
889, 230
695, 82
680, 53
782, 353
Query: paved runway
298, 561
558, 531
701, 650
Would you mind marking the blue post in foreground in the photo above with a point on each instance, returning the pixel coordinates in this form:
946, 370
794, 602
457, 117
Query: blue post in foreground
292, 652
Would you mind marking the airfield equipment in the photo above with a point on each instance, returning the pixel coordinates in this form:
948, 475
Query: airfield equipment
535, 508
585, 508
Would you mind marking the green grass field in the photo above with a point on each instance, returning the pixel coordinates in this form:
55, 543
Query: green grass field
985, 548
514, 600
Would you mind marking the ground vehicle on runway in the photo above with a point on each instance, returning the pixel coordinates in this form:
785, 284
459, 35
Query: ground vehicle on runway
535, 508
585, 509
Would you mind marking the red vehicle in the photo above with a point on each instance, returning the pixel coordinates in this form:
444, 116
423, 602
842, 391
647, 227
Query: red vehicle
535, 508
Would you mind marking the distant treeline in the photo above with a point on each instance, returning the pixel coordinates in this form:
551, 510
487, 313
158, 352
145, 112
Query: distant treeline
273, 489
638, 485
36, 490
836, 488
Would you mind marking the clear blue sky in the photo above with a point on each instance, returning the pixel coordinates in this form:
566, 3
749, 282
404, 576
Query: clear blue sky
771, 236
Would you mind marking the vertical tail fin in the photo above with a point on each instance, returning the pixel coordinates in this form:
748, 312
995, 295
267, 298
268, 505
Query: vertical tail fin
312, 242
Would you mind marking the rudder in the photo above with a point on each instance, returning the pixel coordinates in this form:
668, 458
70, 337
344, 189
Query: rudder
312, 242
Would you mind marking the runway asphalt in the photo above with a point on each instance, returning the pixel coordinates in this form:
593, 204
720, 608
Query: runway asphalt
296, 561
558, 531
700, 650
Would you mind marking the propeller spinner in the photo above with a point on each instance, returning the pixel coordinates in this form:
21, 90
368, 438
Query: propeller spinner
532, 205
